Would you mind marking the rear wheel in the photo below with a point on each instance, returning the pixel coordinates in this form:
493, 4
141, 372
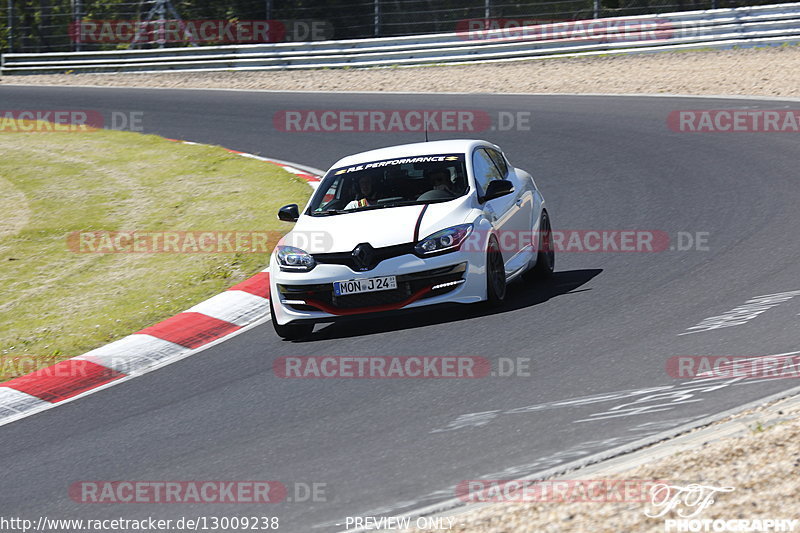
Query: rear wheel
546, 256
495, 274
289, 332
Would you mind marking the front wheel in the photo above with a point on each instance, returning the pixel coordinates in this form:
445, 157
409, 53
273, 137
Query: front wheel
495, 274
289, 332
546, 256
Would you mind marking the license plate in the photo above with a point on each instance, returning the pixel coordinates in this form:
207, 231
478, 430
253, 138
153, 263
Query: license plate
357, 286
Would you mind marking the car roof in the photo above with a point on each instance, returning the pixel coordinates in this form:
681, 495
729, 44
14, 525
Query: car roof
452, 146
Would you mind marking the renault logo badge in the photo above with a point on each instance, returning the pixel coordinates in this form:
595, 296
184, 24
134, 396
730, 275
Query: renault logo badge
364, 257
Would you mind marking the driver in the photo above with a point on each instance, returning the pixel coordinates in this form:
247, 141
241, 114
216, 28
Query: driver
366, 187
440, 178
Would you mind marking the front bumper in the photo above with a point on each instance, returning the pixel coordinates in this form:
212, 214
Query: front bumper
309, 297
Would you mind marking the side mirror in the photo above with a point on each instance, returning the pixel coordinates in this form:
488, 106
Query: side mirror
496, 189
289, 213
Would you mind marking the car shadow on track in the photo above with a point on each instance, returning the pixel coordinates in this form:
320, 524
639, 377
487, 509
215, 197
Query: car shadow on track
520, 295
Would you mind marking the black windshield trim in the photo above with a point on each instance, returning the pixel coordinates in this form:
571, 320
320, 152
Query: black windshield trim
375, 207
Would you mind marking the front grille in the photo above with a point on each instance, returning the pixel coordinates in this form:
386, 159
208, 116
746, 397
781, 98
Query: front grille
379, 254
407, 285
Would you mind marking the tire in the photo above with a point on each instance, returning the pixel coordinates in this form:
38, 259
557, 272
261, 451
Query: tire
495, 274
290, 332
546, 256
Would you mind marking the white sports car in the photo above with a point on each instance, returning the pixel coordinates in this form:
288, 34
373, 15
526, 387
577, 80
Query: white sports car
408, 226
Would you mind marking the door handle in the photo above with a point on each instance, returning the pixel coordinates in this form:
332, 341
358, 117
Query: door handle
518, 202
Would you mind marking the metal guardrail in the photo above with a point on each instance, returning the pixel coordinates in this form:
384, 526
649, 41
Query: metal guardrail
718, 28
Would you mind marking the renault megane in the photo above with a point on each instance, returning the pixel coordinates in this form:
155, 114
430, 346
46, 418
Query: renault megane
408, 226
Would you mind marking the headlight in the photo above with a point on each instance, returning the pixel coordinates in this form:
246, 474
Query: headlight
446, 240
293, 259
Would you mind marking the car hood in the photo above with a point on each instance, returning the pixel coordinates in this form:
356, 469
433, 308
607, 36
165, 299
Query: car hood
379, 227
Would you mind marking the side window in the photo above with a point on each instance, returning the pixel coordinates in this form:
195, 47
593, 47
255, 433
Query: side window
499, 160
484, 169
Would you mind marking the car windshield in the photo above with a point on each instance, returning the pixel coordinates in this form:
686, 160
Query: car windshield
390, 183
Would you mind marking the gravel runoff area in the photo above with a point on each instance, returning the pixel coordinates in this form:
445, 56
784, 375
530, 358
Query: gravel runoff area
759, 71
761, 465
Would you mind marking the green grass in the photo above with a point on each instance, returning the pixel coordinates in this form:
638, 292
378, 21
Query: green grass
55, 303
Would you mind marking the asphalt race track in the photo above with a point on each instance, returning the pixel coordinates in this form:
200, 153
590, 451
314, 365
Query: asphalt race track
602, 327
